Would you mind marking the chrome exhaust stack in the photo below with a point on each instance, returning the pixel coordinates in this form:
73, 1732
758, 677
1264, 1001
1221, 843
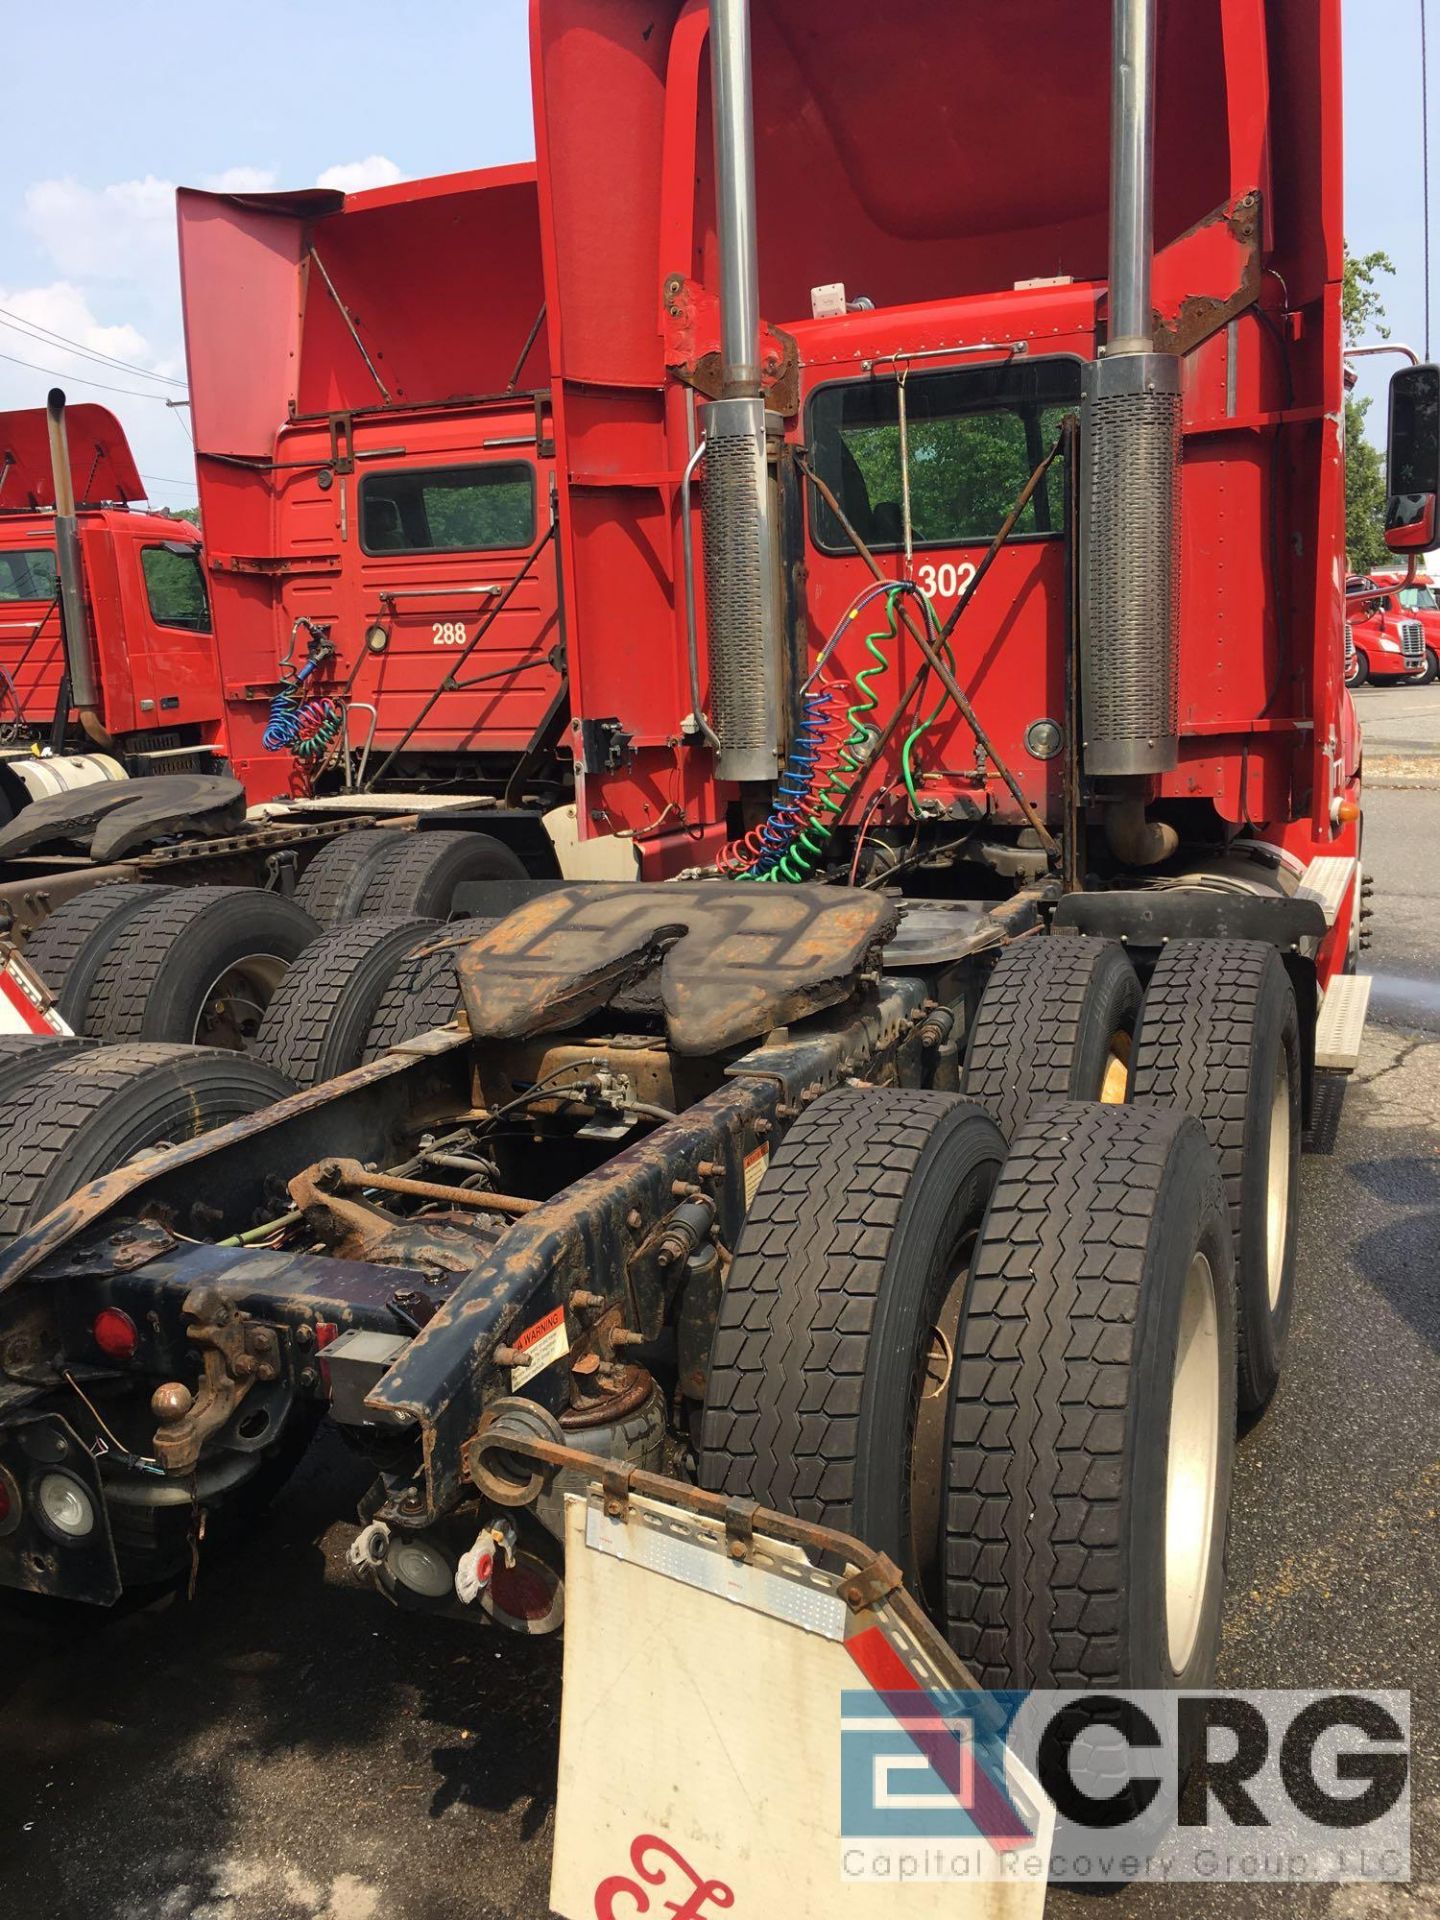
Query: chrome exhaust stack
1130, 610
741, 580
74, 620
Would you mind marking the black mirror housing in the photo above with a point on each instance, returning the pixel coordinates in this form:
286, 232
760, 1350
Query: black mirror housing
1412, 464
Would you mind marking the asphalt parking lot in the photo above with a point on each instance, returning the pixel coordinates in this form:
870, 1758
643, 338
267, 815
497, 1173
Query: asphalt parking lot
284, 1747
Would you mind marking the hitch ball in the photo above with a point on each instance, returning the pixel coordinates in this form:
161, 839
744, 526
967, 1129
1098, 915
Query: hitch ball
171, 1402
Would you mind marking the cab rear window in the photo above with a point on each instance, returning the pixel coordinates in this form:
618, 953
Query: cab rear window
28, 574
975, 436
449, 509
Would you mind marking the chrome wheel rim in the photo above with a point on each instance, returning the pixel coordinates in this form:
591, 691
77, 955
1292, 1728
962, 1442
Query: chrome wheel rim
1277, 1183
1192, 1462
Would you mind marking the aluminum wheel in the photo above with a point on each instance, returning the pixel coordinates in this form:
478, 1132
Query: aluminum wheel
234, 1005
932, 1416
1277, 1183
1192, 1462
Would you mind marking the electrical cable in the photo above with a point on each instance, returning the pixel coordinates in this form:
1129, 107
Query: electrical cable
79, 380
19, 324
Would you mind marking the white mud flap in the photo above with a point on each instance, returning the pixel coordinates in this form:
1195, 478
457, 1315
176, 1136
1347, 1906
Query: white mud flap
737, 1738
25, 1004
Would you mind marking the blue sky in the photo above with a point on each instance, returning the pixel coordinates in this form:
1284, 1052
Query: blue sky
270, 94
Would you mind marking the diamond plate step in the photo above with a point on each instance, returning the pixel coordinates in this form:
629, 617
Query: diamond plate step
1341, 1026
1326, 880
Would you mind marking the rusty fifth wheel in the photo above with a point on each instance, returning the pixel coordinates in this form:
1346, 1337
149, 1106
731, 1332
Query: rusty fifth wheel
1087, 1477
1054, 1023
1219, 1036
836, 1346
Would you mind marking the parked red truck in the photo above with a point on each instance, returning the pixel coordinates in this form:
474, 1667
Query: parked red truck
375, 474
139, 683
918, 1159
1386, 638
1416, 600
379, 485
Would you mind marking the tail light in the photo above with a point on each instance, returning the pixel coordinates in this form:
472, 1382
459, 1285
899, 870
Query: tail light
114, 1334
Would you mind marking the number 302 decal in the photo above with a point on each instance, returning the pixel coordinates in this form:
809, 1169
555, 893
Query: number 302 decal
946, 582
451, 633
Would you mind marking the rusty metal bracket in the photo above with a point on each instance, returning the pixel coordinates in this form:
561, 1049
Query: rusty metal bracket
236, 1352
1196, 316
492, 1455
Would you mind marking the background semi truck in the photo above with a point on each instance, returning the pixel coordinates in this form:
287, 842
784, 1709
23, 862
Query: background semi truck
136, 682
915, 1150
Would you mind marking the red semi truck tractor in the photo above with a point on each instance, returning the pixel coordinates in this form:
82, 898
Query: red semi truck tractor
1415, 600
369, 381
949, 496
1385, 632
116, 673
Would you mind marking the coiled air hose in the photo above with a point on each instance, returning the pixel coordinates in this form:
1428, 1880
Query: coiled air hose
830, 753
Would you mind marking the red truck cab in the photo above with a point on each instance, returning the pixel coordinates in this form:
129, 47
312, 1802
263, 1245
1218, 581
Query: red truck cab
1414, 601
1385, 639
146, 607
368, 376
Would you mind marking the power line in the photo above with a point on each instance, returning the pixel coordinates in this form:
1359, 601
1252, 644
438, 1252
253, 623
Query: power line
32, 330
79, 379
1425, 160
167, 480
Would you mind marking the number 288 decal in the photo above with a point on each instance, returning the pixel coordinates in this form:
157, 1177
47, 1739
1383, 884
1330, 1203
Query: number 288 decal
447, 633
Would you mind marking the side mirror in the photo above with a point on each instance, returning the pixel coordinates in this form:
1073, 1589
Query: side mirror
1412, 477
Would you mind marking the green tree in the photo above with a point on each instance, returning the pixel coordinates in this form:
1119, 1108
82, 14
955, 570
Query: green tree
1364, 493
1362, 311
1361, 302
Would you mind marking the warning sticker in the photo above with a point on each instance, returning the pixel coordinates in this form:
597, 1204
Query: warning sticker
539, 1347
755, 1165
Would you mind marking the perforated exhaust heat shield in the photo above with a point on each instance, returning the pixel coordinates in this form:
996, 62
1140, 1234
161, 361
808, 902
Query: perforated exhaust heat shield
740, 611
1130, 597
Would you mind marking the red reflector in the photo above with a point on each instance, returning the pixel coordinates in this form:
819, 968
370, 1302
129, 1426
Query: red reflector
4, 1503
325, 1332
114, 1333
525, 1591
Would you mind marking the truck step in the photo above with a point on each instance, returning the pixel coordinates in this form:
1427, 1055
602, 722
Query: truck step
1341, 1025
1326, 879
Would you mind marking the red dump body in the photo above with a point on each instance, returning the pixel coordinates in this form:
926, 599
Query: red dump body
951, 166
372, 445
155, 666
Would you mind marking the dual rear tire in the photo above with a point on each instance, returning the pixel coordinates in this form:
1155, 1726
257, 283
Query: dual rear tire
1008, 1373
1216, 1033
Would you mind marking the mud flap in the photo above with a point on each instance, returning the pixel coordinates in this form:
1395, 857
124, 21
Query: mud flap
738, 1737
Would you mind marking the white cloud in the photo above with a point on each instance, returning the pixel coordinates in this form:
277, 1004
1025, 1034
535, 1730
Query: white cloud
113, 253
241, 180
355, 176
63, 309
124, 231
156, 434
